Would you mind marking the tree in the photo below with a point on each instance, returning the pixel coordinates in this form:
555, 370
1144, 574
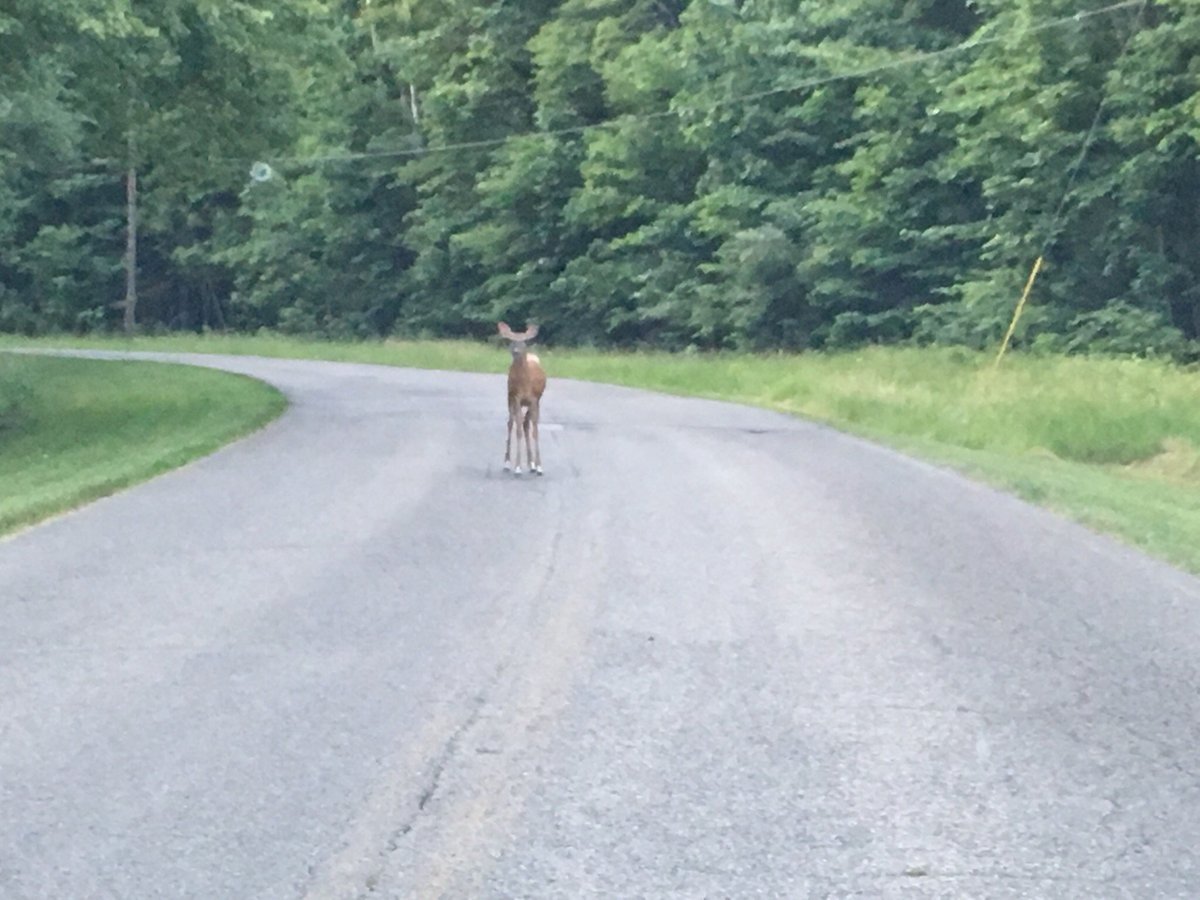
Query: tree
675, 173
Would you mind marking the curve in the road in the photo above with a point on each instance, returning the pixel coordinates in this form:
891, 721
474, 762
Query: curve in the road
715, 652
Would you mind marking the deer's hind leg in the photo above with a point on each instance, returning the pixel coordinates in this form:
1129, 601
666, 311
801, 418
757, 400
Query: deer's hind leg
526, 414
535, 413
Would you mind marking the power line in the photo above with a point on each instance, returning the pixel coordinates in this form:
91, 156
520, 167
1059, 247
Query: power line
805, 84
1090, 137
261, 171
1052, 231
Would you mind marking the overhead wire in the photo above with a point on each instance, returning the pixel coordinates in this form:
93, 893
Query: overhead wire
633, 118
914, 59
1052, 231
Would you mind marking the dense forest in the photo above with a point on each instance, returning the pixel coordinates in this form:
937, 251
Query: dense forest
750, 174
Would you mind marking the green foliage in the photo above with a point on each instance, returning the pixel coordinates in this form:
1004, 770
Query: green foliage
668, 173
1120, 329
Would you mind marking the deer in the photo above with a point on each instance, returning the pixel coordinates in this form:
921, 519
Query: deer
526, 383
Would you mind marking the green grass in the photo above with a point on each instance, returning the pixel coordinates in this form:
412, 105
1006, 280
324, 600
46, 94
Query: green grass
1113, 443
75, 429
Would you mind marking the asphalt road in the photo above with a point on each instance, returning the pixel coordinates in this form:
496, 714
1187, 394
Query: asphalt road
714, 652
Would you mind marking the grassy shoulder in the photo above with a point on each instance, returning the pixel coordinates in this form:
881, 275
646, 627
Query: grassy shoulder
1112, 443
73, 430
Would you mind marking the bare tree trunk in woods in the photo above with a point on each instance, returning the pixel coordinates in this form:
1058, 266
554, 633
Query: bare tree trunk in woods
214, 302
412, 88
131, 249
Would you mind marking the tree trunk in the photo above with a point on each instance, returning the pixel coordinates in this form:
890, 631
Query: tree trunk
131, 250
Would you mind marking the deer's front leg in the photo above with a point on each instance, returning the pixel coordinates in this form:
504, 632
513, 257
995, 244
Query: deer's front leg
525, 424
517, 418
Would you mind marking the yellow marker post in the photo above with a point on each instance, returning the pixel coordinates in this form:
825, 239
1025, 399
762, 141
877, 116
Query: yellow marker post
1037, 267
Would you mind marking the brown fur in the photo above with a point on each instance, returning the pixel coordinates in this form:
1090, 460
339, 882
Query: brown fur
526, 384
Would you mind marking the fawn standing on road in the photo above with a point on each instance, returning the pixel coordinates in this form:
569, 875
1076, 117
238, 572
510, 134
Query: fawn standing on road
526, 382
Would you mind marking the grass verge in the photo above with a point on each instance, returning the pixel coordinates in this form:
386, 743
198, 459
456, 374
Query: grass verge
1112, 443
73, 430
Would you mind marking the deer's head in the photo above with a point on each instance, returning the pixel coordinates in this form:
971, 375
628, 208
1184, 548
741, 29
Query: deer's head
518, 341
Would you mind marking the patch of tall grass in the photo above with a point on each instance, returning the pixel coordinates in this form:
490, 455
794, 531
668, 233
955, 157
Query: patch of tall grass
16, 395
1098, 411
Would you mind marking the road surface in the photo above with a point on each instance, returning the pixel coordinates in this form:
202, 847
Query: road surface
714, 652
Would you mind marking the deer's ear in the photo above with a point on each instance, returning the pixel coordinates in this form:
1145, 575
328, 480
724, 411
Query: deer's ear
531, 330
504, 330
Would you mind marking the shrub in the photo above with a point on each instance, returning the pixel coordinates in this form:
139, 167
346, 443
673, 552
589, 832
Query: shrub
1123, 329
